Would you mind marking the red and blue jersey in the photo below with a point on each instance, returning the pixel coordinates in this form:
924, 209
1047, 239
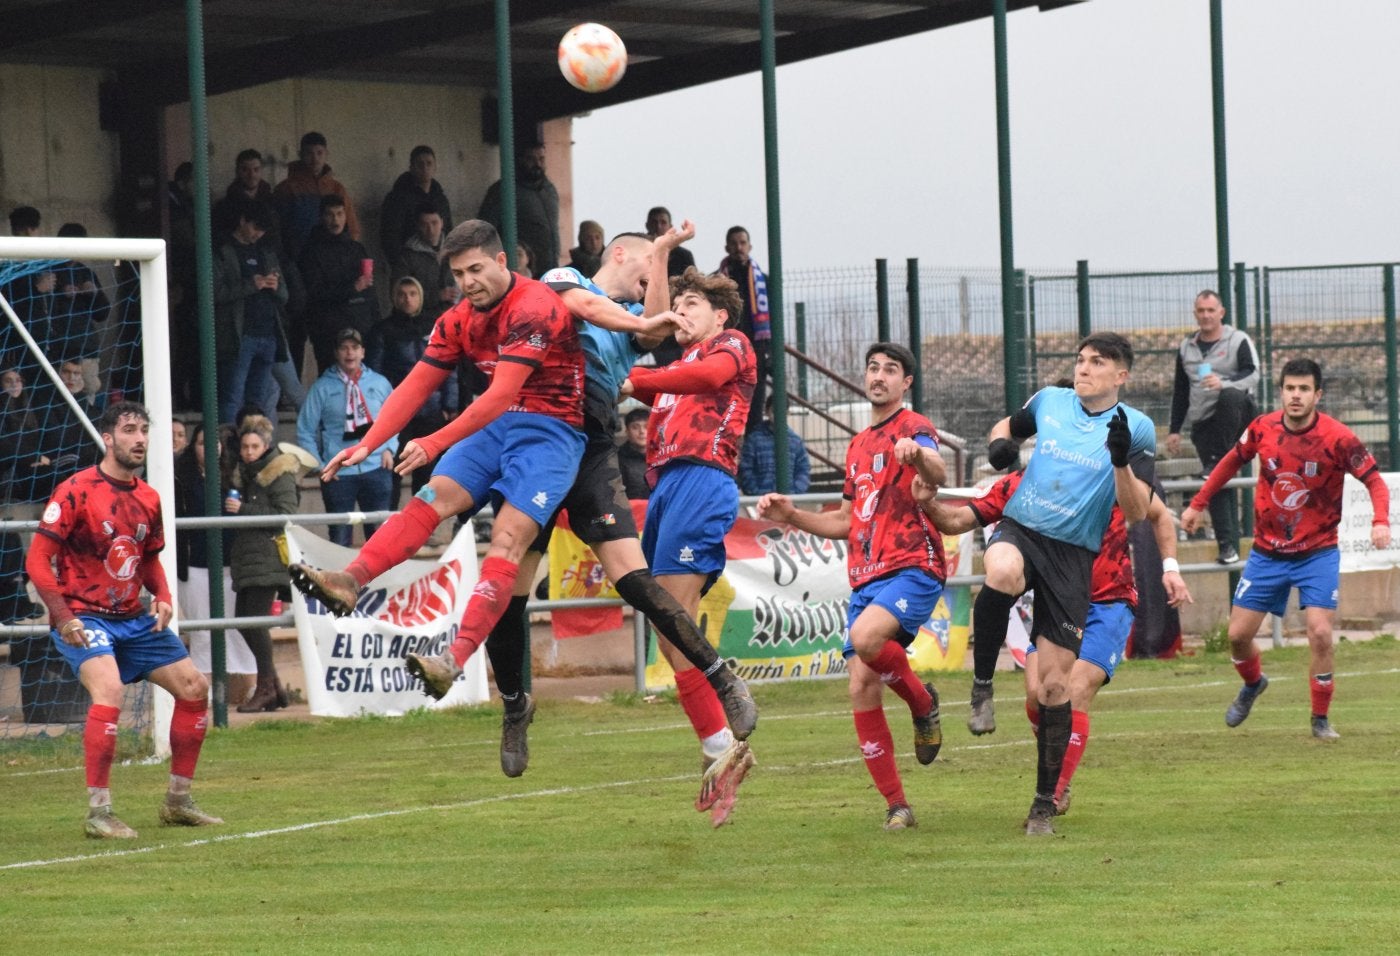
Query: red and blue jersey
1298, 503
889, 532
106, 529
704, 427
529, 324
1112, 578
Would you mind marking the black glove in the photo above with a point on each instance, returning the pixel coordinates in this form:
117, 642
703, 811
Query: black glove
1120, 439
1002, 453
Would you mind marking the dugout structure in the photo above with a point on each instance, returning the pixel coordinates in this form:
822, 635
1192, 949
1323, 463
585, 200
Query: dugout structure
100, 304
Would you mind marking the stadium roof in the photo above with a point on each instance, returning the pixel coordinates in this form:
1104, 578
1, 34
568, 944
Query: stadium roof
671, 44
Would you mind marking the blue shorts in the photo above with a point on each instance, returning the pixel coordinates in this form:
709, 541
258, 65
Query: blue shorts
1266, 581
138, 647
909, 595
528, 460
1105, 635
690, 511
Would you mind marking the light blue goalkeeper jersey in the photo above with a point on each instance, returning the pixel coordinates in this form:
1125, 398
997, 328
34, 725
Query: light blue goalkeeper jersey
608, 356
1067, 492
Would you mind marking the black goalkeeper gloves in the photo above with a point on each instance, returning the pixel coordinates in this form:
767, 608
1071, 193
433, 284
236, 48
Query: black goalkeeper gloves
1002, 453
1120, 439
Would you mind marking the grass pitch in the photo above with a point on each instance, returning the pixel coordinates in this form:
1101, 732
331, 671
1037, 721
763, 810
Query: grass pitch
402, 836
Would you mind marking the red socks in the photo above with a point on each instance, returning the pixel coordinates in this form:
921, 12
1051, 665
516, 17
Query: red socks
100, 743
1321, 687
395, 541
187, 727
877, 747
1251, 669
1033, 714
892, 664
1078, 737
488, 602
700, 703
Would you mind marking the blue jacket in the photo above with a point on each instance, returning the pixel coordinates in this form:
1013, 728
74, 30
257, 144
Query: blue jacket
321, 424
758, 466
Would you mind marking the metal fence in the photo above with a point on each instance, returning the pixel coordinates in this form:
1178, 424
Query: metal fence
1342, 316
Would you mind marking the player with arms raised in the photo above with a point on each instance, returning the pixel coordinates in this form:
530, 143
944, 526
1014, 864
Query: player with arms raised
1304, 458
97, 547
895, 564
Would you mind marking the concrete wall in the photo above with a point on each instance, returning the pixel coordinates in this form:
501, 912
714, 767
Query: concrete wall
53, 155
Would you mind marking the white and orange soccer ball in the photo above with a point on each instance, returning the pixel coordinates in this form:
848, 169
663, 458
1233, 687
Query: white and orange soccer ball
592, 57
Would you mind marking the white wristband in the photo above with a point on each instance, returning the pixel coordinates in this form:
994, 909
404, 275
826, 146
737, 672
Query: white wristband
1169, 565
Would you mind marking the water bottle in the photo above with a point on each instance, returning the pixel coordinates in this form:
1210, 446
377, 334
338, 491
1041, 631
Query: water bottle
237, 496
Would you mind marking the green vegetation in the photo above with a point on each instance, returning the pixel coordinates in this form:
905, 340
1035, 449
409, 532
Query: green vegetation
401, 836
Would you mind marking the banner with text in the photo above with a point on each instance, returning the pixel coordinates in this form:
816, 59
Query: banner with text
355, 665
1354, 536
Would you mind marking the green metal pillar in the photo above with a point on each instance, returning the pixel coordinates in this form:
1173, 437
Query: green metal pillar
1081, 295
1012, 333
916, 333
799, 315
208, 367
882, 300
505, 132
1392, 373
1222, 201
768, 44
1241, 321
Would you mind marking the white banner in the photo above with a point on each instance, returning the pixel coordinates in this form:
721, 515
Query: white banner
1354, 536
355, 665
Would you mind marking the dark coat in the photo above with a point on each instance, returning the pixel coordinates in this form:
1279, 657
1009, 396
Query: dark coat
269, 487
398, 217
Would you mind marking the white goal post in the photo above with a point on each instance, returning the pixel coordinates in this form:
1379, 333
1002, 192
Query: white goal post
155, 350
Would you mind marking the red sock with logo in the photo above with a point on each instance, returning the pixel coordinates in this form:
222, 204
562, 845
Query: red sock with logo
100, 743
187, 728
892, 664
488, 602
395, 541
877, 747
700, 703
1250, 669
1321, 687
1074, 750
1033, 714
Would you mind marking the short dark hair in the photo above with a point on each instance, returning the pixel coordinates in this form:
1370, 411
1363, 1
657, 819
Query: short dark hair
658, 209
636, 415
1209, 294
24, 217
311, 139
472, 234
425, 208
625, 235
1298, 367
113, 414
421, 150
730, 233
72, 230
246, 155
256, 212
1110, 345
720, 291
331, 201
894, 350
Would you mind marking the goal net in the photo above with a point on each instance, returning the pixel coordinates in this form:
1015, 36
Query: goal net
82, 324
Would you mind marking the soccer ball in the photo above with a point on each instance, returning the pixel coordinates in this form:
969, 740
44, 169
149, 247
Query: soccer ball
592, 57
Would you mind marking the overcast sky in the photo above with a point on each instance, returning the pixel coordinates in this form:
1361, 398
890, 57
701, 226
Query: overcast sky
890, 150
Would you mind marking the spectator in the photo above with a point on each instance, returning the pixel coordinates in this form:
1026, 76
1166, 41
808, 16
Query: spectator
338, 273
758, 466
632, 454
31, 296
418, 259
192, 565
587, 256
64, 438
298, 197
248, 299
658, 224
398, 218
79, 303
524, 260
753, 294
179, 437
1213, 391
393, 347
536, 207
341, 406
248, 183
267, 479
19, 457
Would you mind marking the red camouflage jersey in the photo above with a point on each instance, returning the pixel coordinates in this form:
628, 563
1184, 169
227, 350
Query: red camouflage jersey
1112, 578
105, 529
705, 427
889, 532
529, 324
1298, 502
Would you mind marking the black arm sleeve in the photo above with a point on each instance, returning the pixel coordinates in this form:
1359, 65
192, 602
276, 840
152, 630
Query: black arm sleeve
1244, 362
1022, 424
1181, 397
